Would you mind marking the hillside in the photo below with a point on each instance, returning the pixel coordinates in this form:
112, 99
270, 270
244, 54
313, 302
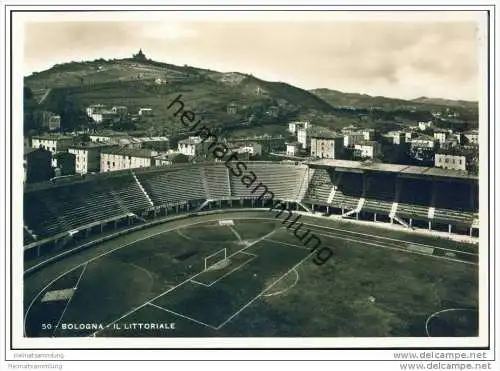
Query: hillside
257, 105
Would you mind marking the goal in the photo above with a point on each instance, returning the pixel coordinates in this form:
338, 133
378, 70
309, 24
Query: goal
215, 259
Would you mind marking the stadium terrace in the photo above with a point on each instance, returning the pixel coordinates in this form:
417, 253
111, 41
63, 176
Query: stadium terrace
250, 180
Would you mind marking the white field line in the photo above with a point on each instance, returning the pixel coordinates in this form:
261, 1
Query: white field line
175, 287
69, 300
233, 270
182, 316
199, 283
287, 288
247, 253
385, 238
395, 248
289, 244
264, 291
143, 270
443, 311
97, 257
235, 233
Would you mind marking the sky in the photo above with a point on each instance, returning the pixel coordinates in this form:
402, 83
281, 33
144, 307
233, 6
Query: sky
404, 59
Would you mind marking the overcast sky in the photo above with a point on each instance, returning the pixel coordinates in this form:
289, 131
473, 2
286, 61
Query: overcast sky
396, 59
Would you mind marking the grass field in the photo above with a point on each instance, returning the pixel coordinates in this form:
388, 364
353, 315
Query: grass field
379, 283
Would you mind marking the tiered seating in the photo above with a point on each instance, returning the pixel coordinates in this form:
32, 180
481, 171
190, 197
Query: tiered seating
414, 198
349, 190
217, 180
68, 207
282, 180
127, 192
173, 186
27, 237
380, 193
319, 188
453, 203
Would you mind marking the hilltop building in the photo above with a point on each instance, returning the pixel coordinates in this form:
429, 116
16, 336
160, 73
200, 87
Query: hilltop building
140, 56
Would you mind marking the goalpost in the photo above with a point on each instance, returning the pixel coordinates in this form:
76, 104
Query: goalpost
216, 258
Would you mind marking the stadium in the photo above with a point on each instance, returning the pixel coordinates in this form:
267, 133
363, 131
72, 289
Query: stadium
190, 251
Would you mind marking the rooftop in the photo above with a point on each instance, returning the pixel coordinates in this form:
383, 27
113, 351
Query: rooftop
393, 168
147, 153
52, 137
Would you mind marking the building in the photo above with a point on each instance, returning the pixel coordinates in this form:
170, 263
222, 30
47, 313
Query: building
95, 109
88, 157
114, 159
368, 134
192, 146
107, 137
327, 146
398, 137
293, 148
352, 138
170, 158
64, 163
409, 135
349, 129
423, 148
253, 149
302, 135
424, 125
51, 142
145, 112
50, 121
472, 136
457, 158
120, 110
367, 149
293, 126
232, 109
37, 165
440, 135
160, 81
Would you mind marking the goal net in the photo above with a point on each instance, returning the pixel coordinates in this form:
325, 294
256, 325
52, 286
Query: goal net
215, 259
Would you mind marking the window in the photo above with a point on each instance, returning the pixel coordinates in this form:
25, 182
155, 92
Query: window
113, 164
108, 163
460, 162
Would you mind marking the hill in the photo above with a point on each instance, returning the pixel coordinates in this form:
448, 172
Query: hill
232, 102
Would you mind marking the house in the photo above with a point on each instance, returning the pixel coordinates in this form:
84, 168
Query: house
353, 137
253, 149
424, 125
37, 165
52, 142
120, 110
145, 111
192, 146
170, 158
423, 147
368, 134
292, 126
327, 145
398, 137
454, 158
114, 159
472, 136
88, 156
349, 129
293, 148
232, 109
440, 135
367, 149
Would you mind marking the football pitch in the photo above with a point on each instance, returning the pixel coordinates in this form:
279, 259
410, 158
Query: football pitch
245, 274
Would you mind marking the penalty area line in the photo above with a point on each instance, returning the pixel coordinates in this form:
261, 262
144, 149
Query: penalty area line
264, 291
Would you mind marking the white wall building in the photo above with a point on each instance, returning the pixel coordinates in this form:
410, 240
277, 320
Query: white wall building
327, 146
367, 149
353, 138
293, 149
52, 143
115, 159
